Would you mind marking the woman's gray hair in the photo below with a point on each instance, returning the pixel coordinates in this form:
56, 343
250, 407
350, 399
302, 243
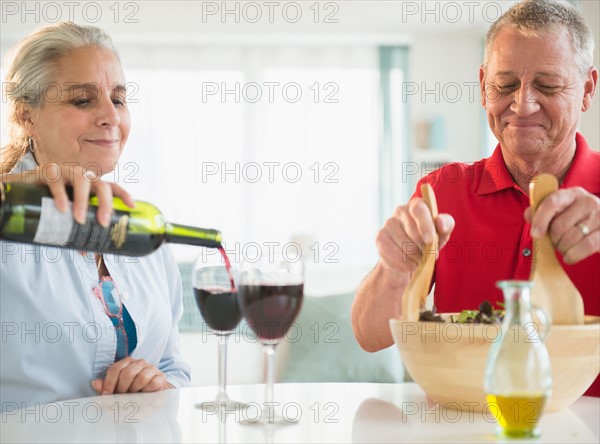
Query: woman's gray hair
538, 17
30, 70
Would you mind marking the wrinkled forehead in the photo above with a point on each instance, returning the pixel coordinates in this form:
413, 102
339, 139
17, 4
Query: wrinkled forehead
520, 34
547, 51
88, 66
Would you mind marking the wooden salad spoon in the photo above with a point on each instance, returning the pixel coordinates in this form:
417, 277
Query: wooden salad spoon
553, 290
416, 293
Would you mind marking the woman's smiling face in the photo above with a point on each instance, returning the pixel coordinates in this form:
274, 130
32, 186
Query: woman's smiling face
83, 119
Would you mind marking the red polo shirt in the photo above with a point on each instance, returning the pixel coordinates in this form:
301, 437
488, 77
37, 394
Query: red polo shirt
491, 240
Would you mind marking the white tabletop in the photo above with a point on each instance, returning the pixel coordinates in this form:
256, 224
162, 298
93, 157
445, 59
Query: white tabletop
316, 413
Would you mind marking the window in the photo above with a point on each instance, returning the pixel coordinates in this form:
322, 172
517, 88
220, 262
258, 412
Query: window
267, 144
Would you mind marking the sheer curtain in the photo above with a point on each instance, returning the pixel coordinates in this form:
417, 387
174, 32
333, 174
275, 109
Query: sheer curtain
269, 144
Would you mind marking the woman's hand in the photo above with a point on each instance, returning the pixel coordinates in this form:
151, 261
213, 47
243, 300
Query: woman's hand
131, 376
83, 182
571, 216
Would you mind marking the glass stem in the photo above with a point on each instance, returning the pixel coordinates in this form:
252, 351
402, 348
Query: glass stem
269, 350
222, 396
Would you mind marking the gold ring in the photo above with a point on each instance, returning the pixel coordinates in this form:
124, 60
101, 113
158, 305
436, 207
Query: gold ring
585, 230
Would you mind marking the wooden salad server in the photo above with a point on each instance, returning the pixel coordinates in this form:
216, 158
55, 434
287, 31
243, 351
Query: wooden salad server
416, 293
553, 290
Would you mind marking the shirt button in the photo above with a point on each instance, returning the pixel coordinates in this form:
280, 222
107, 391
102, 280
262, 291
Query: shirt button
125, 296
526, 252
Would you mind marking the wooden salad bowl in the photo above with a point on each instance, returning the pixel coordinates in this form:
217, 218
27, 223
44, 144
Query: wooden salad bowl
448, 360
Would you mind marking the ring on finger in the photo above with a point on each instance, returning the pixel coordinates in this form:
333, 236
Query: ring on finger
585, 230
90, 175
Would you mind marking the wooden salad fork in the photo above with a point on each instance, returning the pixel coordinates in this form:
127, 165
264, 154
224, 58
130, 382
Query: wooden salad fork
553, 289
416, 293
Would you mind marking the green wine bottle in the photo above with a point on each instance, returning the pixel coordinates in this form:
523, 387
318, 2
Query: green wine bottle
28, 214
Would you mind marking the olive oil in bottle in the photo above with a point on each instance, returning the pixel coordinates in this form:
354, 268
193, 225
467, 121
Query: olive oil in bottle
518, 377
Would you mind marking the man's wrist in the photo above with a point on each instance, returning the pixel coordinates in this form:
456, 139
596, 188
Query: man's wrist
390, 278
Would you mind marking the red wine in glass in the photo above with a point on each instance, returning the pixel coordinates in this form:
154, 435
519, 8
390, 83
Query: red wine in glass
216, 298
219, 308
270, 293
270, 310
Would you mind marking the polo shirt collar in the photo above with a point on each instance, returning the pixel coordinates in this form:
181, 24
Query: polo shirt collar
579, 173
496, 176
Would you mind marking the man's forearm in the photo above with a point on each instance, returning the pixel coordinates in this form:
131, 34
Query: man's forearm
378, 299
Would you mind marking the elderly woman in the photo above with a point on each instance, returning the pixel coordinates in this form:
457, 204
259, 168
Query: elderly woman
76, 324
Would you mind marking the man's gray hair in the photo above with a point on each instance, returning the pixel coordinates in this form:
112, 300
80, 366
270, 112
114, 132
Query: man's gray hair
538, 17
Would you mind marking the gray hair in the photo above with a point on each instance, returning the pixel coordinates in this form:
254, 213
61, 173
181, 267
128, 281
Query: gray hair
538, 17
30, 70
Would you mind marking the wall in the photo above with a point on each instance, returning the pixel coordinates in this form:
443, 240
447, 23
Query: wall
590, 122
445, 67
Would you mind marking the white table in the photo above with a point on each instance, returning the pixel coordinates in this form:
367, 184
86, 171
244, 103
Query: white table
324, 412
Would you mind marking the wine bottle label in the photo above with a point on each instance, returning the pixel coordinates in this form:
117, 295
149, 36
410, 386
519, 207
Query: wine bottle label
55, 226
60, 229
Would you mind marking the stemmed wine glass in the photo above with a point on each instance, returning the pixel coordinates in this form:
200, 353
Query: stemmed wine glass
270, 293
216, 298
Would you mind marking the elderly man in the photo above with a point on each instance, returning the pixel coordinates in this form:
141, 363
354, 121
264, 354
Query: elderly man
536, 80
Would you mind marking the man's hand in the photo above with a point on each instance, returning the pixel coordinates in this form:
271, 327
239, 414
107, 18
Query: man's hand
399, 243
403, 235
131, 376
572, 218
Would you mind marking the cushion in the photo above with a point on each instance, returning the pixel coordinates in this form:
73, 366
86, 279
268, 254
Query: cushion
191, 319
322, 347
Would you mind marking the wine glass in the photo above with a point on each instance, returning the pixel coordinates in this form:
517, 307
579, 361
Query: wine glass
216, 298
270, 293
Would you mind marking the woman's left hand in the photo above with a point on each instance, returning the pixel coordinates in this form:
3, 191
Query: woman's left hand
131, 376
571, 216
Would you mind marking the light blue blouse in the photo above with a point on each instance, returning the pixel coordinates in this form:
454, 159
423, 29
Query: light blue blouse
55, 335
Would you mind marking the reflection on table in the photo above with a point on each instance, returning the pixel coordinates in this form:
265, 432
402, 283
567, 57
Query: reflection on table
328, 412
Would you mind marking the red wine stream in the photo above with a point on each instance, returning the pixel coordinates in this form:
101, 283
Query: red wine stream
228, 267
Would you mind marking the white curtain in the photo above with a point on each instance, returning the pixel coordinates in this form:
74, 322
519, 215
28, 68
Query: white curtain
266, 143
